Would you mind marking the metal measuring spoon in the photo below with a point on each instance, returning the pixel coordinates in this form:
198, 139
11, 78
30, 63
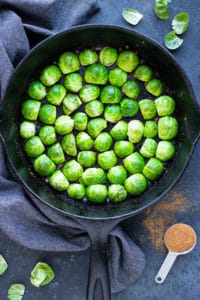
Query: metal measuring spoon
172, 255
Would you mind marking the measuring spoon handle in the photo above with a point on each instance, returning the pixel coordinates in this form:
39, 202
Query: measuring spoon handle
165, 267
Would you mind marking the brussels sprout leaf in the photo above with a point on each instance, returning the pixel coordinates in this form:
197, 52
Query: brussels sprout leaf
172, 41
161, 9
16, 291
131, 16
3, 265
180, 22
41, 274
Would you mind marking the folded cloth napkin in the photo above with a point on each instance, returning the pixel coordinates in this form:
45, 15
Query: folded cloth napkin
34, 225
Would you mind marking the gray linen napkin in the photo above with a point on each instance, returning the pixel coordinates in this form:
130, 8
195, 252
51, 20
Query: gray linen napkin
23, 23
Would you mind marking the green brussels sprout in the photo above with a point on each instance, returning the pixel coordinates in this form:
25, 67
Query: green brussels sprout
47, 134
97, 74
147, 108
43, 165
72, 170
73, 82
34, 146
56, 94
96, 193
150, 129
134, 163
89, 92
110, 94
76, 191
165, 150
103, 142
119, 131
113, 113
107, 159
123, 148
71, 103
117, 77
95, 126
143, 73
148, 148
41, 274
56, 154
165, 105
88, 57
117, 175
47, 114
80, 121
108, 56
68, 62
94, 108
129, 107
167, 128
16, 291
153, 168
135, 131
131, 89
50, 75
127, 60
117, 193
154, 87
93, 176
37, 90
27, 129
87, 159
30, 109
84, 141
64, 125
136, 184
69, 144
58, 181
3, 265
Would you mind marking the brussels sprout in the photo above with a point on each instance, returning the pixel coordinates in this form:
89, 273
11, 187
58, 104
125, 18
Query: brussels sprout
123, 148
69, 144
135, 131
71, 103
147, 108
80, 121
134, 163
119, 131
84, 141
150, 129
47, 135
37, 90
108, 56
93, 176
103, 142
165, 105
88, 57
94, 108
113, 113
72, 170
167, 128
3, 265
117, 77
117, 193
95, 126
129, 108
76, 191
111, 94
89, 92
27, 129
73, 82
96, 193
41, 274
117, 175
47, 114
16, 291
56, 94
44, 166
58, 181
107, 159
97, 74
30, 109
127, 60
165, 150
87, 159
154, 87
64, 125
148, 148
68, 62
34, 147
50, 75
136, 184
131, 89
143, 73
56, 154
153, 168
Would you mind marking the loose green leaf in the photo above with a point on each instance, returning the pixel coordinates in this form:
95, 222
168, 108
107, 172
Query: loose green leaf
16, 291
3, 265
172, 41
41, 274
161, 9
131, 16
180, 22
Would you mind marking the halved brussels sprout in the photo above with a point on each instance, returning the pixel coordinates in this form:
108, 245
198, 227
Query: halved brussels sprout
150, 129
143, 73
56, 94
34, 147
153, 168
131, 89
30, 109
43, 165
89, 92
58, 181
87, 159
94, 108
76, 191
84, 141
3, 265
88, 57
134, 163
123, 148
136, 184
56, 154
165, 105
68, 62
110, 94
148, 148
117, 175
71, 103
154, 87
95, 126
117, 193
72, 170
108, 56
50, 75
27, 129
107, 159
64, 125
117, 77
135, 131
73, 82
37, 90
112, 113
47, 134
93, 176
147, 108
103, 142
96, 193
42, 274
80, 121
129, 107
119, 131
127, 60
96, 74
165, 150
16, 291
69, 144
47, 114
167, 128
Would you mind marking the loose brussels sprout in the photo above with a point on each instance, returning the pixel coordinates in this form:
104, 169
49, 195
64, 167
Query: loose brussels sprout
69, 144
50, 75
47, 114
165, 150
71, 103
30, 109
117, 175
167, 128
147, 108
148, 148
150, 129
44, 166
97, 74
93, 176
72, 170
143, 73
165, 105
95, 126
56, 94
37, 90
123, 148
134, 163
41, 274
108, 56
117, 77
110, 94
94, 108
84, 141
73, 82
3, 265
117, 193
127, 60
135, 131
68, 62
64, 125
88, 57
136, 184
107, 159
119, 131
154, 87
103, 142
27, 129
131, 89
16, 291
76, 191
47, 135
153, 168
80, 121
58, 181
96, 193
87, 159
89, 92
113, 113
34, 147
56, 154
129, 108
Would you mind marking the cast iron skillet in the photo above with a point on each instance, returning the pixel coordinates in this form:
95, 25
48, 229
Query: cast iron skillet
99, 220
